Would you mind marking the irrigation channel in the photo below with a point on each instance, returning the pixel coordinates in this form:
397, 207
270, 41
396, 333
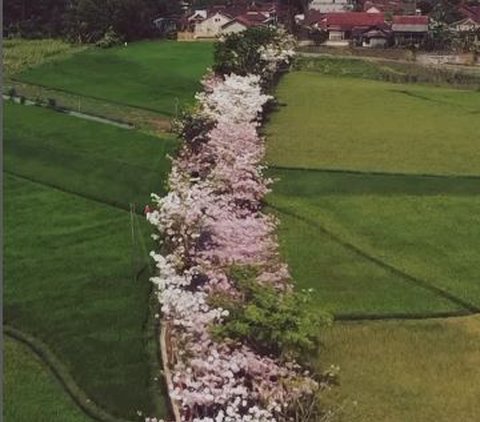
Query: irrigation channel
80, 115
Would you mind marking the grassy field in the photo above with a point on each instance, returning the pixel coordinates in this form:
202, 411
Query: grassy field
427, 228
81, 265
347, 283
398, 371
156, 75
101, 162
31, 391
76, 263
357, 124
367, 225
421, 231
72, 248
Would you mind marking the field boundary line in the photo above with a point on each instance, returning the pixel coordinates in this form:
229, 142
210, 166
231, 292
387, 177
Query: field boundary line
29, 102
378, 173
405, 276
93, 97
93, 156
415, 316
112, 204
57, 368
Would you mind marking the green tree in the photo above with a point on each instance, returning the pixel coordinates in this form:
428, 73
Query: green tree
446, 11
33, 18
89, 20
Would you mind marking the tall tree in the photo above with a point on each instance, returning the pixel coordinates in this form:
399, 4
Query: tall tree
446, 11
89, 20
34, 18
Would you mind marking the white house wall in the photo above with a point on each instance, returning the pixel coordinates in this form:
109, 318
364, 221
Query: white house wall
330, 6
211, 27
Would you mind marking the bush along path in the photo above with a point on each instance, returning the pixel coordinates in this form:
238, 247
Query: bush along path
238, 338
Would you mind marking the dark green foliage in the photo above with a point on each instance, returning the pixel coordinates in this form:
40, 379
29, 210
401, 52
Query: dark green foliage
446, 11
239, 53
193, 128
34, 18
85, 20
272, 322
90, 20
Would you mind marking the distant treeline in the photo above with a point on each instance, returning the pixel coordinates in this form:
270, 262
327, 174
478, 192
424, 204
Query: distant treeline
85, 21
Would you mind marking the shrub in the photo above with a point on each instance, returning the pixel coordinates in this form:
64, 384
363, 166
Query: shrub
243, 53
109, 39
192, 126
282, 324
51, 102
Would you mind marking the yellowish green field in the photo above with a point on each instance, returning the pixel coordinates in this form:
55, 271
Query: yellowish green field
415, 371
356, 124
20, 55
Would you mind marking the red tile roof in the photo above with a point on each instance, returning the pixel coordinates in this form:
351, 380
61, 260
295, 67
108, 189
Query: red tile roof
350, 20
472, 12
313, 17
254, 16
410, 20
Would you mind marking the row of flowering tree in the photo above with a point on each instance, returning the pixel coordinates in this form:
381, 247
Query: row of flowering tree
239, 335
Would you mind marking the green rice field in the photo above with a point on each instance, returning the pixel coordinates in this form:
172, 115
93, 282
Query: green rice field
358, 124
76, 258
31, 390
378, 195
159, 76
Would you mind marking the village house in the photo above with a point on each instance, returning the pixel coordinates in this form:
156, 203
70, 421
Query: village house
375, 37
466, 25
211, 26
245, 21
368, 29
343, 28
471, 20
218, 20
392, 7
409, 30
